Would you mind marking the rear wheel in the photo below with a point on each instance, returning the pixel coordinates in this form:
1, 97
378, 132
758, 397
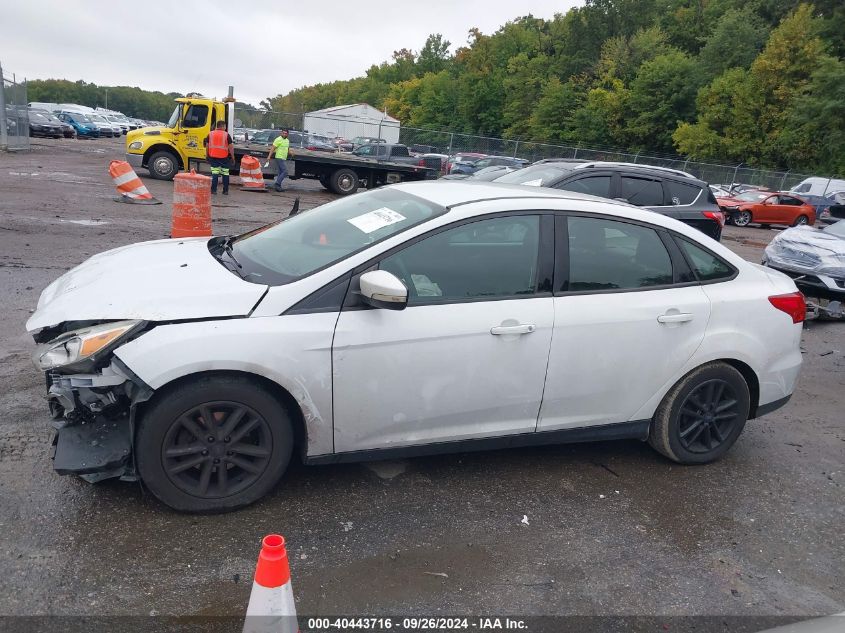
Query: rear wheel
163, 166
742, 218
801, 220
702, 415
344, 181
213, 444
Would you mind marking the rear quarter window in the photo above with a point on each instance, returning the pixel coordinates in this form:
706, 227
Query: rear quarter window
707, 266
681, 193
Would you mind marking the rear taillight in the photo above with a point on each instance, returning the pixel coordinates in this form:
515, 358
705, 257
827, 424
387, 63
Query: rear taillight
313, 148
715, 215
421, 162
793, 304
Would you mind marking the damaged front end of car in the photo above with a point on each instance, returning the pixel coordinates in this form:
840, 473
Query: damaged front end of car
92, 397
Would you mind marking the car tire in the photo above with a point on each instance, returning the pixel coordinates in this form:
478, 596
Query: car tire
801, 220
702, 415
742, 218
179, 457
163, 166
344, 181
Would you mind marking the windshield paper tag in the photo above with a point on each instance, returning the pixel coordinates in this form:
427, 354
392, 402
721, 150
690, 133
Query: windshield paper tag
534, 183
375, 220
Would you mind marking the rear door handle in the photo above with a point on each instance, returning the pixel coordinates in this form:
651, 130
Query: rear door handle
681, 317
512, 329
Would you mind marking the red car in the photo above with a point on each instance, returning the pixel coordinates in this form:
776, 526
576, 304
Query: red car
765, 207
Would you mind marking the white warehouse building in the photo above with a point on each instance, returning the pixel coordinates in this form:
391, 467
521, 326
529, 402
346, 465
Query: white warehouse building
349, 121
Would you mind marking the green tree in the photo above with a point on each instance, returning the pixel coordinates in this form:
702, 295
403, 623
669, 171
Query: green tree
662, 95
552, 119
814, 132
736, 41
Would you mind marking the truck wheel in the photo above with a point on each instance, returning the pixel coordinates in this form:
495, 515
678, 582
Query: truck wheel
344, 181
213, 444
163, 166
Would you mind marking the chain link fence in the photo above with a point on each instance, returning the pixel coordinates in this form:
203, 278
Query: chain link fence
14, 119
450, 143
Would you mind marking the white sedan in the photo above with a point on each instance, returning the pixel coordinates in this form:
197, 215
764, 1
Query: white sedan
418, 318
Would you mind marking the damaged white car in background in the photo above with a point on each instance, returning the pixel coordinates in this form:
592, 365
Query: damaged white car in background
815, 259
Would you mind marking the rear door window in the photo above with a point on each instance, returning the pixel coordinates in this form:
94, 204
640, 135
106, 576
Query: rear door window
642, 192
681, 193
593, 185
610, 255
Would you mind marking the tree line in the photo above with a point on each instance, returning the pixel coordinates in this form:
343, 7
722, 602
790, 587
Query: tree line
760, 82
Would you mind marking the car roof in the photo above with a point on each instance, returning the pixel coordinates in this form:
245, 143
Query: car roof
455, 192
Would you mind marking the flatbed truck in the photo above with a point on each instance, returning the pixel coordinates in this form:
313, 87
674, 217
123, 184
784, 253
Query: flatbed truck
166, 150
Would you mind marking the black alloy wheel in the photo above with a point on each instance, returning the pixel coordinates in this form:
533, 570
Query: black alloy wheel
702, 415
217, 449
708, 416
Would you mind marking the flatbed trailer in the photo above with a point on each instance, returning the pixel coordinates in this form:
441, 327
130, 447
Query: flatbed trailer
341, 173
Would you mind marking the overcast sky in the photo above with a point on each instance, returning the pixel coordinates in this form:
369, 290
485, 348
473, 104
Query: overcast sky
262, 48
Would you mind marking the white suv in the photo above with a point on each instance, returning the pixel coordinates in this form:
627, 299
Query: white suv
417, 318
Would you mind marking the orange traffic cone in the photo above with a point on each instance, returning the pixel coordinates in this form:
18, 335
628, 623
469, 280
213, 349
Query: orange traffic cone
191, 205
271, 608
129, 186
251, 177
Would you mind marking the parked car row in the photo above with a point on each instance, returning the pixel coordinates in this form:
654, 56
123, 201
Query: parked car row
70, 120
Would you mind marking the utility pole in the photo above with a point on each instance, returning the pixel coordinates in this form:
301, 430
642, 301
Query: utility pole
4, 138
107, 98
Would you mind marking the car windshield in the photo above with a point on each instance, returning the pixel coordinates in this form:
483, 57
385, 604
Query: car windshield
837, 229
751, 196
80, 118
171, 122
34, 116
538, 175
305, 243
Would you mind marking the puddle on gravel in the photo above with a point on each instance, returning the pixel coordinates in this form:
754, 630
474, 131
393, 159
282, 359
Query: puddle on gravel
87, 222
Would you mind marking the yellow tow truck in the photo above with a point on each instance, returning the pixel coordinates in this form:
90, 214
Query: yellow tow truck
178, 145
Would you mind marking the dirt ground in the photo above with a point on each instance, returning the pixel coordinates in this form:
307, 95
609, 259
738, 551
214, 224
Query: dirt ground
613, 528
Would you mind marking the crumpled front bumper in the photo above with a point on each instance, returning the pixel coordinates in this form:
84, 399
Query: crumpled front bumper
94, 421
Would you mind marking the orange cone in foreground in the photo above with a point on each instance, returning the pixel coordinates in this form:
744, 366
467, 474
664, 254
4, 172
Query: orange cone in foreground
191, 205
129, 186
271, 608
251, 177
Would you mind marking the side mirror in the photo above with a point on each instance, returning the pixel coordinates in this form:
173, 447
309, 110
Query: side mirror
382, 289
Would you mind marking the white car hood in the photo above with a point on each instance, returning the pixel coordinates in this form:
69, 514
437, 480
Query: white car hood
156, 281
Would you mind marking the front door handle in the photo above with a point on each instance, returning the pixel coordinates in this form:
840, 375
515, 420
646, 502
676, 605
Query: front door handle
679, 317
525, 328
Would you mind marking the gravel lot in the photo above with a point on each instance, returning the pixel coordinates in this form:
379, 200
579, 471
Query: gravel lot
613, 528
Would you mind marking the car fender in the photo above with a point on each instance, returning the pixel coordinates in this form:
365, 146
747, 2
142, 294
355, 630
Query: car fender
292, 351
718, 345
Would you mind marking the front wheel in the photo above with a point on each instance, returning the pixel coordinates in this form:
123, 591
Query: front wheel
214, 444
801, 220
702, 415
742, 218
163, 166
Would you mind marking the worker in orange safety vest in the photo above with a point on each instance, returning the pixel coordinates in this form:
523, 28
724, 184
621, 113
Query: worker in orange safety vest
220, 153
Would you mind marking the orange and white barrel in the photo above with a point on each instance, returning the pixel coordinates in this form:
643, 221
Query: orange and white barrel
271, 607
191, 205
129, 186
251, 177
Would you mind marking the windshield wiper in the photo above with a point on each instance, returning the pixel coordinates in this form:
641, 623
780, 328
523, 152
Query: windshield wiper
227, 247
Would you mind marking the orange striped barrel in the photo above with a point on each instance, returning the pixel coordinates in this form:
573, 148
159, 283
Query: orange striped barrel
251, 177
191, 205
129, 186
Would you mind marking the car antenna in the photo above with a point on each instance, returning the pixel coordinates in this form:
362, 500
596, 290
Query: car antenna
295, 208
